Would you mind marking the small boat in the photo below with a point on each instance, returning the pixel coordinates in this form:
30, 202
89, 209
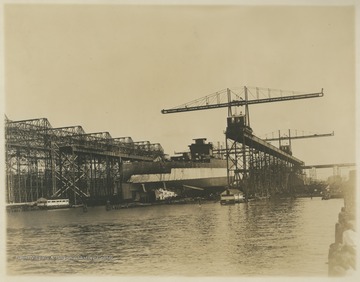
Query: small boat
227, 199
231, 196
53, 204
162, 194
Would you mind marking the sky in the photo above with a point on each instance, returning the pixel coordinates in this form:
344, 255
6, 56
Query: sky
115, 67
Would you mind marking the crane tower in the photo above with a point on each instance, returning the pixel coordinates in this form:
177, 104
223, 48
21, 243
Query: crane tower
254, 166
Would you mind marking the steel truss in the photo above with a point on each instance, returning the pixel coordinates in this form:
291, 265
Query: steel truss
42, 161
255, 166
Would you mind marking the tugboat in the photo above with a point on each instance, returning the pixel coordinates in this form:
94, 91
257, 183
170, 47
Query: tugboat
231, 196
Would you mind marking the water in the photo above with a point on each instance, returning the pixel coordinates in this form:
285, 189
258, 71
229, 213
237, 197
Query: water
267, 238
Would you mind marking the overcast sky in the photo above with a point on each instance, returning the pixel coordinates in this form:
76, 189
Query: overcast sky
113, 68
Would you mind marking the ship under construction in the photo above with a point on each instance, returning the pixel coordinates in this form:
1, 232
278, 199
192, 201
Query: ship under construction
49, 162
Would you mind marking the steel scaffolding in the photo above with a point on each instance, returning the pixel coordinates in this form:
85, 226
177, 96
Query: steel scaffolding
42, 161
256, 167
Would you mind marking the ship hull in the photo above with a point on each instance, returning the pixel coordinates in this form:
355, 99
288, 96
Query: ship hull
196, 184
191, 178
187, 179
143, 168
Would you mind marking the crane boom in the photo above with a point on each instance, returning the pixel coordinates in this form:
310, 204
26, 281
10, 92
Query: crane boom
300, 137
213, 101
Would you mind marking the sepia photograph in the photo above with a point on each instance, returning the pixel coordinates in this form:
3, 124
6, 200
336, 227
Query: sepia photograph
179, 139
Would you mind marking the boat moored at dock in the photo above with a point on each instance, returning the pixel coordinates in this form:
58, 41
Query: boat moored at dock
48, 204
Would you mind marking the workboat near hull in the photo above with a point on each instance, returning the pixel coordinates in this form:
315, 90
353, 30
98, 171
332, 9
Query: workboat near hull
227, 201
231, 196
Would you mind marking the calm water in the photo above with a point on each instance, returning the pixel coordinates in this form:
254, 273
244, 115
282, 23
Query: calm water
282, 238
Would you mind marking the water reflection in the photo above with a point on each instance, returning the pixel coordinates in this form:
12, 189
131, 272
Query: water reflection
288, 237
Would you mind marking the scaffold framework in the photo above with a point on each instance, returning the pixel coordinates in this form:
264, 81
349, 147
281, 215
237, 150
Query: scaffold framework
255, 166
67, 162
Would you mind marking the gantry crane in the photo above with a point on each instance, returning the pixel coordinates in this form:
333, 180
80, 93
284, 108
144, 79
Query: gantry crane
249, 158
287, 148
289, 137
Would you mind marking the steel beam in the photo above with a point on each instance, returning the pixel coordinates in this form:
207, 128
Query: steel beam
42, 161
